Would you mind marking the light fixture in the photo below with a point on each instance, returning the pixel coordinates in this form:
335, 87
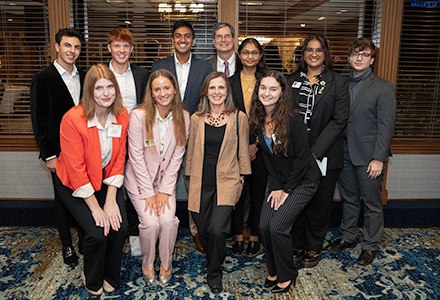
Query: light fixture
252, 3
10, 20
321, 18
164, 8
196, 8
180, 7
302, 25
127, 22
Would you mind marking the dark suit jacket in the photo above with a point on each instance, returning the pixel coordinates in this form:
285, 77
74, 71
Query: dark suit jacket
329, 118
50, 100
213, 62
237, 96
371, 123
140, 76
198, 71
299, 166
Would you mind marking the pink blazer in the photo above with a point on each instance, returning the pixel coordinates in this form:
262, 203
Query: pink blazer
142, 166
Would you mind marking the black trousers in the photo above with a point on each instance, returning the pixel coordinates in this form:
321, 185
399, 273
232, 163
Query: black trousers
132, 216
311, 226
102, 254
275, 226
213, 223
255, 184
64, 219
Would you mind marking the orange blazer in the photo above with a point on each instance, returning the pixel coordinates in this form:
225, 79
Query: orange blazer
80, 158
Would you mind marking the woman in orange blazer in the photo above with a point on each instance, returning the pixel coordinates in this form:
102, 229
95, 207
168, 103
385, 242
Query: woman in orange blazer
90, 172
157, 136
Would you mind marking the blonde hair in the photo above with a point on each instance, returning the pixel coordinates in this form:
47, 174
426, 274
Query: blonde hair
177, 107
95, 73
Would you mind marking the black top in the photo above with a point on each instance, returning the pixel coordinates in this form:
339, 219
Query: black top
213, 142
299, 166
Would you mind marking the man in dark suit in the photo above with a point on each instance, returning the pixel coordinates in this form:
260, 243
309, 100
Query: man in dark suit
226, 60
366, 149
190, 73
132, 81
188, 69
53, 92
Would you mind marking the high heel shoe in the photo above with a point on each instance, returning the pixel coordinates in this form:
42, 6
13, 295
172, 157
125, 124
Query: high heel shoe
270, 283
149, 278
108, 288
97, 293
164, 279
280, 290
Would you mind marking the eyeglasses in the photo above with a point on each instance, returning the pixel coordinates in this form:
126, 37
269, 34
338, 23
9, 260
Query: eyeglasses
247, 53
363, 55
311, 50
221, 37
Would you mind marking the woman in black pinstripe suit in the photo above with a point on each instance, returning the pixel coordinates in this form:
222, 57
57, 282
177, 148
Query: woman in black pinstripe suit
293, 171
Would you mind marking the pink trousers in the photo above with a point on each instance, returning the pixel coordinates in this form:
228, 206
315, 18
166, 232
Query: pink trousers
152, 227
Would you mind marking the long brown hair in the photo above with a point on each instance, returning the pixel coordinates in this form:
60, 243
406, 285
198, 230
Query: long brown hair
280, 115
204, 106
95, 73
177, 107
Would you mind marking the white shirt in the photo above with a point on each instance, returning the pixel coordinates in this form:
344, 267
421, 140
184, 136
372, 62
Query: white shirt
163, 128
106, 145
182, 72
71, 81
127, 87
231, 66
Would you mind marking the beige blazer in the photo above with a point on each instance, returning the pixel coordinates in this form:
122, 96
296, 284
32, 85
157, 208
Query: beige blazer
229, 168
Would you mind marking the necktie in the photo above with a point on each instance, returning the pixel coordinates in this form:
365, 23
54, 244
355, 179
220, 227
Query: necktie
226, 69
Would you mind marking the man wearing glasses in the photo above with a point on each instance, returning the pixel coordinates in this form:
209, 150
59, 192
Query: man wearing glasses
224, 40
366, 149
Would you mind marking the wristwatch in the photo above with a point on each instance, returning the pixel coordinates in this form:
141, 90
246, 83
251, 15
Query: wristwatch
242, 181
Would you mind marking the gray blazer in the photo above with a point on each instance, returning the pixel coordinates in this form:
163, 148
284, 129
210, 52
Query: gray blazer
371, 121
198, 71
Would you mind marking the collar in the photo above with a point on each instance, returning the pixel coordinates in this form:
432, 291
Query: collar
230, 60
94, 122
113, 70
158, 118
361, 77
177, 62
61, 70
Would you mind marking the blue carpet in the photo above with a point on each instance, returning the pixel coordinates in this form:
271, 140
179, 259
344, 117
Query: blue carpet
408, 267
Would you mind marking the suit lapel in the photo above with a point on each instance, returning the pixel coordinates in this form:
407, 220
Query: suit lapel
240, 94
169, 135
137, 84
322, 90
58, 82
156, 135
365, 86
230, 129
191, 75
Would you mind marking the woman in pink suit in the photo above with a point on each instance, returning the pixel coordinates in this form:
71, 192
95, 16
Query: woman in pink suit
157, 137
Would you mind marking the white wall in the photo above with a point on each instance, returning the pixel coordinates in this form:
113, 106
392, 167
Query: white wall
23, 175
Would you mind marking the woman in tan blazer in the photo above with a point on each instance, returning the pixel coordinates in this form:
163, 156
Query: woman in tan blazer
218, 159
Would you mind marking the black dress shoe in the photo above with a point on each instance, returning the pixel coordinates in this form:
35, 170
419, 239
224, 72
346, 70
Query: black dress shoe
216, 289
269, 283
297, 255
69, 256
280, 290
340, 245
366, 257
311, 258
238, 248
253, 248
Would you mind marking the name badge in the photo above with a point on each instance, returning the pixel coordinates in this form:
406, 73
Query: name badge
115, 130
296, 84
149, 143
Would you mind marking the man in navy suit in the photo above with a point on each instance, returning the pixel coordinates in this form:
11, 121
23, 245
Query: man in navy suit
53, 92
190, 73
132, 81
366, 146
188, 69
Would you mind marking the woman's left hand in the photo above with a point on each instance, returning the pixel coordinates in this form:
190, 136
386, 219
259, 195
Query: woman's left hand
162, 201
111, 208
277, 198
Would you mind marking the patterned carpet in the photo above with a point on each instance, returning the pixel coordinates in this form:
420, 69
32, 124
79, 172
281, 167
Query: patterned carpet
31, 267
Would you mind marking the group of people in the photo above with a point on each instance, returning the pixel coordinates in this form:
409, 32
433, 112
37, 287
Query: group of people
238, 131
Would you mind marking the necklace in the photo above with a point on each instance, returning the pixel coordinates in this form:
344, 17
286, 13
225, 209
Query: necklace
215, 121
